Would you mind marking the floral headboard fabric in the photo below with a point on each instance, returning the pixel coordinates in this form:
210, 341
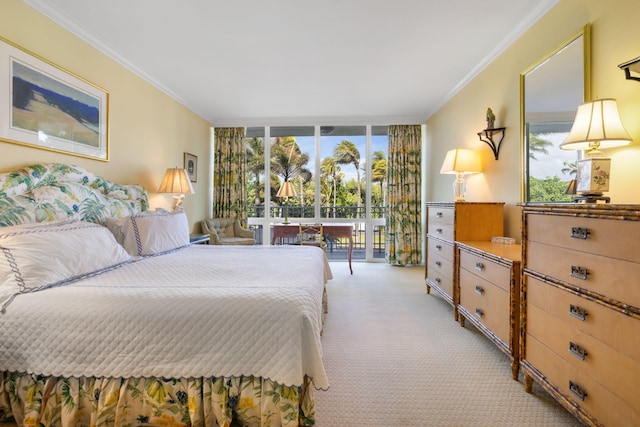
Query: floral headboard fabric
53, 191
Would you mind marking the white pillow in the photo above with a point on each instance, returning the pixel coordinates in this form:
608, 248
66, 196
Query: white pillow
154, 233
38, 256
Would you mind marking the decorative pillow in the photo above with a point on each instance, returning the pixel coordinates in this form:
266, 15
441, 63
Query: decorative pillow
154, 233
39, 256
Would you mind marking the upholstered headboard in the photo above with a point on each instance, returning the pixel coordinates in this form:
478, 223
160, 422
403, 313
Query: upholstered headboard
53, 191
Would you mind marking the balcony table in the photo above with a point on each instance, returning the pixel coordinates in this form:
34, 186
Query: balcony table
333, 230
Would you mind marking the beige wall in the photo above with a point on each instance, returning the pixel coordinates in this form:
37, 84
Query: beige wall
614, 24
149, 131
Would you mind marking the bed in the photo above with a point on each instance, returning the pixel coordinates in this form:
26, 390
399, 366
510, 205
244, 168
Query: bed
111, 318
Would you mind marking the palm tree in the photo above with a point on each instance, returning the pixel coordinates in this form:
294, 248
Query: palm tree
288, 161
330, 170
255, 162
537, 144
379, 172
346, 153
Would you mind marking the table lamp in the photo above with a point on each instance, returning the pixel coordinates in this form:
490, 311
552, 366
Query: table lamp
597, 125
176, 181
460, 161
286, 190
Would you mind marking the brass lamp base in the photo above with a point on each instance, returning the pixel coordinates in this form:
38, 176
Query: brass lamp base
591, 198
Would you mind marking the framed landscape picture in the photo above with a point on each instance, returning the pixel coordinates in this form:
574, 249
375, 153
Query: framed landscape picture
191, 166
45, 106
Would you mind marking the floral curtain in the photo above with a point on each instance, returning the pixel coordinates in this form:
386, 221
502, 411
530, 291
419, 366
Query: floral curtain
404, 234
229, 174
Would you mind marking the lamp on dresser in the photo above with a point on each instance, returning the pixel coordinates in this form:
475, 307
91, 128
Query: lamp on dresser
176, 181
597, 125
460, 161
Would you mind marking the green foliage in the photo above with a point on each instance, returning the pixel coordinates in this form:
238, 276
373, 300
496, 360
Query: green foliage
289, 163
550, 189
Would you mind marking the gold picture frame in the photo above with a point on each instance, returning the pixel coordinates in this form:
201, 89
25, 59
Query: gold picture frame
45, 106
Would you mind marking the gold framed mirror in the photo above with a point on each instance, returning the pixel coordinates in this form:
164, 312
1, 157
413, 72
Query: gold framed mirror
550, 92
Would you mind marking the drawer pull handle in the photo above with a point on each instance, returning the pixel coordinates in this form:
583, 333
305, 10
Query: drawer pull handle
438, 248
580, 233
479, 266
439, 214
439, 230
479, 290
577, 390
438, 280
479, 312
579, 272
578, 312
438, 264
577, 351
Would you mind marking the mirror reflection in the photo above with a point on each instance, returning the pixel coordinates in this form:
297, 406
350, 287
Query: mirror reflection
551, 91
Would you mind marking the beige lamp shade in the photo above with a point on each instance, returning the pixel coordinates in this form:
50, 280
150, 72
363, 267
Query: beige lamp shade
597, 125
176, 181
286, 190
461, 160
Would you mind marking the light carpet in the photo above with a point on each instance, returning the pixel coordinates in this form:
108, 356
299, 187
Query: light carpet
396, 357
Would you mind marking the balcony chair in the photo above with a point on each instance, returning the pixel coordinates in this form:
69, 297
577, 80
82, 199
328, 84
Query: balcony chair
227, 231
311, 235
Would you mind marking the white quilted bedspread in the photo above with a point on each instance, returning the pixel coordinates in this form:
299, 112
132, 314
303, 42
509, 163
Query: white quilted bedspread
198, 312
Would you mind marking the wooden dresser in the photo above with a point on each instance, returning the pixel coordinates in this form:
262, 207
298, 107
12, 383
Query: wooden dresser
580, 312
446, 223
489, 279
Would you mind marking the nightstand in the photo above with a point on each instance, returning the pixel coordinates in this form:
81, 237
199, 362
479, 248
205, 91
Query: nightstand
201, 239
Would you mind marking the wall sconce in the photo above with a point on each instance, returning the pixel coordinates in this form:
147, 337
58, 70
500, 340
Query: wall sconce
487, 135
597, 125
631, 66
176, 181
286, 190
460, 161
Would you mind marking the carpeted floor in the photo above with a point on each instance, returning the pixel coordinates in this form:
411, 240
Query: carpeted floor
395, 357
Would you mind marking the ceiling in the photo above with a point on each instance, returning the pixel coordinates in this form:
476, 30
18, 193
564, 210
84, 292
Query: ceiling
257, 62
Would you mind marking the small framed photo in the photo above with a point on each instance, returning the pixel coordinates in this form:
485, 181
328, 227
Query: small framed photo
191, 166
45, 106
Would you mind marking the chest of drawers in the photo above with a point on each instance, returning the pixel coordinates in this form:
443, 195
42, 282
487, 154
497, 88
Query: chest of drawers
446, 223
580, 311
489, 278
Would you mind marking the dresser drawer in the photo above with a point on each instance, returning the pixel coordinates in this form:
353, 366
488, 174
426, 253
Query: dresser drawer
442, 278
438, 266
495, 273
599, 402
609, 237
487, 302
607, 367
612, 278
440, 248
441, 230
603, 323
441, 215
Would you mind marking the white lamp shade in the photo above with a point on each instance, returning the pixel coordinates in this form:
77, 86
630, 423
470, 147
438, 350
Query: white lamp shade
176, 181
286, 190
461, 160
597, 124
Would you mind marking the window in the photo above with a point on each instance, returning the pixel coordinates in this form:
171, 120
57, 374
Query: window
338, 173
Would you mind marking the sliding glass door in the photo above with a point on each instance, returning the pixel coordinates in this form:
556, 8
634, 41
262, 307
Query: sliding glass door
338, 175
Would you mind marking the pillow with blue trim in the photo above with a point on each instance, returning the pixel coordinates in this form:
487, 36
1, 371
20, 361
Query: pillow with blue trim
39, 256
154, 232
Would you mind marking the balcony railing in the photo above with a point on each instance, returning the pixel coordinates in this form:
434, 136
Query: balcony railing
336, 248
348, 212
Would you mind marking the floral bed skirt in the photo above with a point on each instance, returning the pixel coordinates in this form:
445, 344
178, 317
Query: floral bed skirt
34, 400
